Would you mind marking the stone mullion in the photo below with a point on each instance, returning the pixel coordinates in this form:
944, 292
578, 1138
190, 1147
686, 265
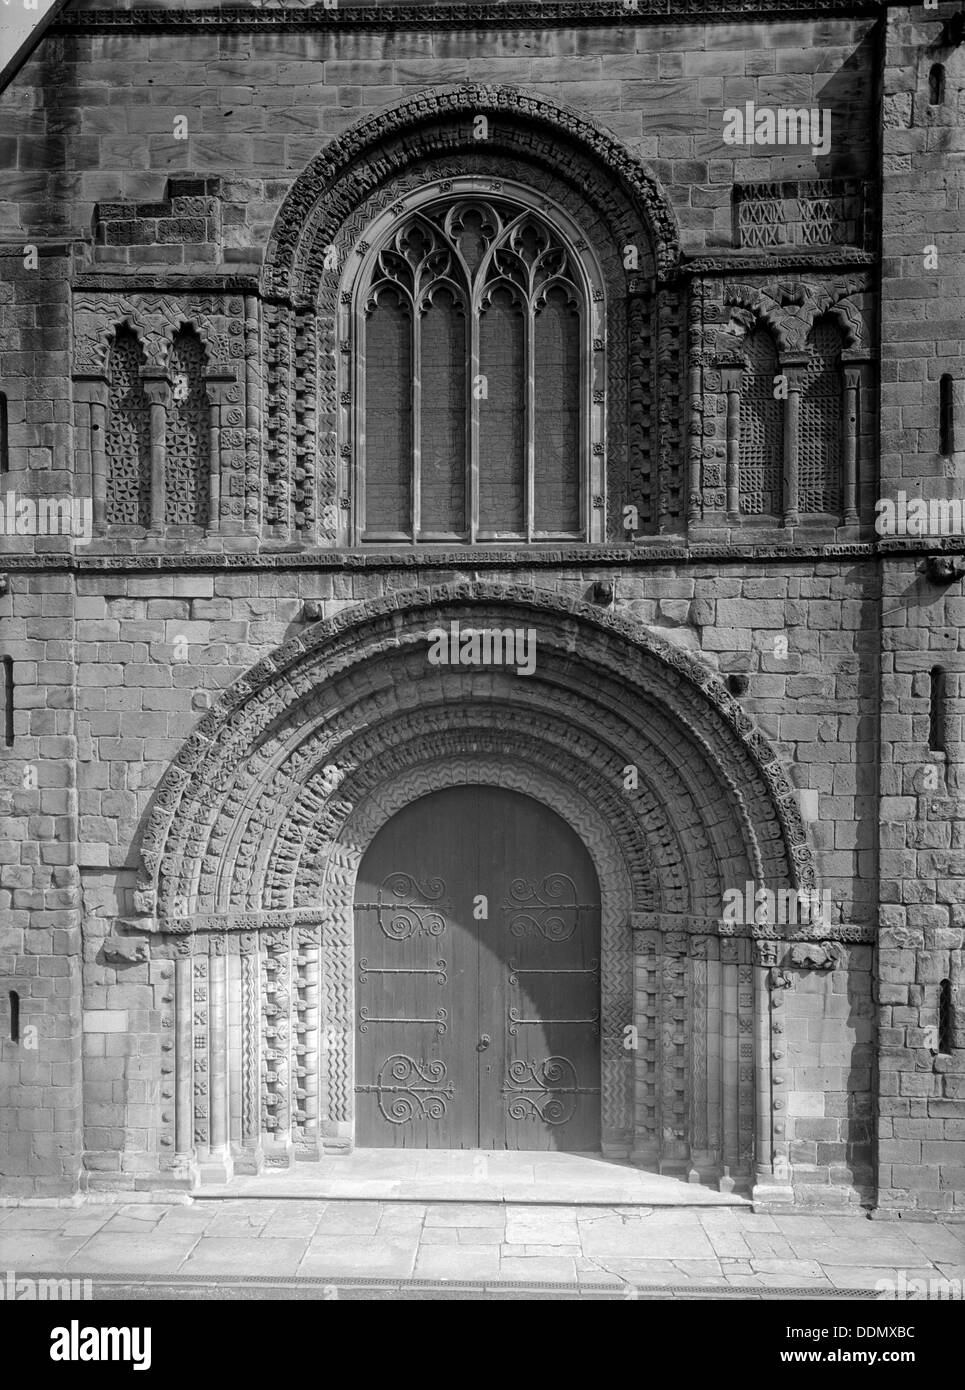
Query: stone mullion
415, 515
529, 427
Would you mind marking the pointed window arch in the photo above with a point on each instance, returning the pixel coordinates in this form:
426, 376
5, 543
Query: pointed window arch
477, 331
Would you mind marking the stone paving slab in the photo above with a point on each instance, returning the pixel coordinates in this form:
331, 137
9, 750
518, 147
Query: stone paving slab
645, 1247
106, 1253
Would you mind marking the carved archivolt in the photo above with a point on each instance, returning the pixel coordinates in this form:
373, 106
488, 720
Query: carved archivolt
156, 319
272, 764
790, 308
442, 118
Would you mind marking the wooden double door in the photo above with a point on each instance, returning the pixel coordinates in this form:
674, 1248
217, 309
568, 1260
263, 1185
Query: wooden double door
477, 1005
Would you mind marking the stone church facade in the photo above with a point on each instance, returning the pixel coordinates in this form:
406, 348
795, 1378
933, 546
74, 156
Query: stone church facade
356, 328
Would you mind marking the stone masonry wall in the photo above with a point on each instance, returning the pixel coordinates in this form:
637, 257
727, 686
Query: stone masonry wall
921, 1102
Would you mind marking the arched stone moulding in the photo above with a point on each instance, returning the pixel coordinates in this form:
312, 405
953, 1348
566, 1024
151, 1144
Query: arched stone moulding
557, 134
382, 162
227, 754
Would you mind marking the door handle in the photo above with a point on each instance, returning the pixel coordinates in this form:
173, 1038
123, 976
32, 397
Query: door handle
483, 1042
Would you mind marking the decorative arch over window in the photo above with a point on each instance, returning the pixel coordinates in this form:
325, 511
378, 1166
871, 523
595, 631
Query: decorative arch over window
128, 441
821, 432
474, 391
187, 451
761, 428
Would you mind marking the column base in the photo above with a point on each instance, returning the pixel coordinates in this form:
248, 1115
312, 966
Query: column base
249, 1162
769, 1194
278, 1153
215, 1168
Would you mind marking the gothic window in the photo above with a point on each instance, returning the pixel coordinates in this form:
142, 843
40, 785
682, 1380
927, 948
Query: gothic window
761, 428
187, 463
128, 442
819, 458
472, 372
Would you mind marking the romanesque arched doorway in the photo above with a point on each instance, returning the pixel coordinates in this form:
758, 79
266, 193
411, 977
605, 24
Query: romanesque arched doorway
253, 851
477, 1003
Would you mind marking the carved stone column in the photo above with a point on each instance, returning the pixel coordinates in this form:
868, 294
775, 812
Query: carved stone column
772, 1186
216, 1165
184, 1157
216, 385
92, 391
157, 388
794, 371
851, 462
730, 380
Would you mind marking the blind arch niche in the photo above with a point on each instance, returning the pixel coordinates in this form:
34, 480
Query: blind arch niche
472, 372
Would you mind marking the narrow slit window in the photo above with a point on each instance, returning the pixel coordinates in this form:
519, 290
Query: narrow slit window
4, 434
946, 416
945, 1016
14, 1016
936, 710
6, 694
936, 85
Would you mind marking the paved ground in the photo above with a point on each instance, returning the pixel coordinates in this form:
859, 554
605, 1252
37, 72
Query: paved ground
446, 1175
709, 1248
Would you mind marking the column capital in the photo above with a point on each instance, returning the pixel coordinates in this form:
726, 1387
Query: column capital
157, 385
731, 375
793, 366
91, 388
